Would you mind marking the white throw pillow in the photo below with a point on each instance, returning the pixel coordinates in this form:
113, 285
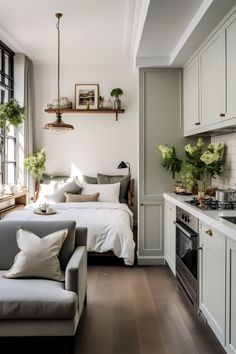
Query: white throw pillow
38, 257
58, 196
46, 190
107, 192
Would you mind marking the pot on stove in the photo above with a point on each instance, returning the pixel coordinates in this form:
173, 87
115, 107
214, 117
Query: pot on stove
226, 195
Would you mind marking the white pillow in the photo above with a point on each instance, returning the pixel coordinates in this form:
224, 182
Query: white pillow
38, 257
58, 196
46, 189
107, 192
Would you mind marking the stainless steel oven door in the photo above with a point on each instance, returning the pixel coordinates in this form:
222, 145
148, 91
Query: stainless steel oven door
187, 247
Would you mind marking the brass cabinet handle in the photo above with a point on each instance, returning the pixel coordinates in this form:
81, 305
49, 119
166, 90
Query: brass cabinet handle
209, 232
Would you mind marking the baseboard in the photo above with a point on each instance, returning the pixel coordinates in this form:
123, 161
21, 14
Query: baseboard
142, 260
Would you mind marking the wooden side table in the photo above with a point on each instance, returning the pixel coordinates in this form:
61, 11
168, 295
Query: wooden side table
12, 202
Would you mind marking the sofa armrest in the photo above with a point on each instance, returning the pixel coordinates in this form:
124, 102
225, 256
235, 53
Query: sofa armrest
76, 270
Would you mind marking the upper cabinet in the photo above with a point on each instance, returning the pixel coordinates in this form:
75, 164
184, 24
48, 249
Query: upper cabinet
210, 83
230, 65
191, 104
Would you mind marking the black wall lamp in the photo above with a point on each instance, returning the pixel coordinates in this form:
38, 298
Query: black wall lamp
123, 164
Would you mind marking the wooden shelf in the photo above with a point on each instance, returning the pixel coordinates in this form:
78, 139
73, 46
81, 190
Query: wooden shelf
18, 201
96, 111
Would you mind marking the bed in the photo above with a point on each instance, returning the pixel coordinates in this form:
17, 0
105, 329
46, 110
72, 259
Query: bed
109, 224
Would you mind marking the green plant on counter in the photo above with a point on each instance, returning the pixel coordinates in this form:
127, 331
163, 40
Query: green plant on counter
197, 165
116, 92
170, 161
11, 114
35, 164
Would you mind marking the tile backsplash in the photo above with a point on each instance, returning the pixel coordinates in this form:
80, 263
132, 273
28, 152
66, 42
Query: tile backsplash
228, 177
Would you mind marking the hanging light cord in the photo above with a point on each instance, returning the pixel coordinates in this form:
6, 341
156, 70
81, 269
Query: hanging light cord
58, 60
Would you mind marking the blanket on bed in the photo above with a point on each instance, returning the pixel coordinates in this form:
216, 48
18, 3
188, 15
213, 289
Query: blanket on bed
109, 224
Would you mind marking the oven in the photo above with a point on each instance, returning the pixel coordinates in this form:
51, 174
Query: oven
187, 242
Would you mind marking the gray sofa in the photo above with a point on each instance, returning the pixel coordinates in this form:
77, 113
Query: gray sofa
42, 307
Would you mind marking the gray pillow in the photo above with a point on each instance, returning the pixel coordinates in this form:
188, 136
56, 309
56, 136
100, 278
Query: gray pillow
124, 184
48, 178
38, 257
90, 180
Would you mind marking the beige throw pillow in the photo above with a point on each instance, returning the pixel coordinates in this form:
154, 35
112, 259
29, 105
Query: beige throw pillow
81, 198
38, 257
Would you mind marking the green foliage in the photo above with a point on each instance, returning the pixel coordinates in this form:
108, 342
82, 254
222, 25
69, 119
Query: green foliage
170, 161
35, 164
11, 113
116, 92
197, 163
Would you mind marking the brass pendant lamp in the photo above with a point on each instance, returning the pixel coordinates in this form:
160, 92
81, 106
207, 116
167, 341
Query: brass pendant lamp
58, 126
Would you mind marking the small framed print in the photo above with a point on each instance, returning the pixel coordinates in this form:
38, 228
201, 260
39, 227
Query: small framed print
86, 96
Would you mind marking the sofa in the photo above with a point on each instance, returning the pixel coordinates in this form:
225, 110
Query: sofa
42, 307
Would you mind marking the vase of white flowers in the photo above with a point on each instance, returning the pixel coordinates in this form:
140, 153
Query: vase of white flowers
197, 166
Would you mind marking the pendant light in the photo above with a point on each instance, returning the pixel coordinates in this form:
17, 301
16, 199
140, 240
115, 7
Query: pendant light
58, 126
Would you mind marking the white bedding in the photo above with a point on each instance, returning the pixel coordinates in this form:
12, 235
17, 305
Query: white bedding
109, 224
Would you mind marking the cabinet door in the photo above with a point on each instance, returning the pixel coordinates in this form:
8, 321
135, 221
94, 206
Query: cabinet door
211, 65
191, 96
231, 298
230, 65
212, 279
169, 234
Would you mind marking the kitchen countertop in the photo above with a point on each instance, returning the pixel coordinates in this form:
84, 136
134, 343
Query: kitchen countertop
211, 217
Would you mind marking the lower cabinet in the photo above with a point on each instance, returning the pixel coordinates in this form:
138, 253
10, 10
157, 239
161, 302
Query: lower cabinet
212, 285
169, 234
150, 244
231, 298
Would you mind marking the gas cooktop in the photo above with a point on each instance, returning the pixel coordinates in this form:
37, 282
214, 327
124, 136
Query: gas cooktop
212, 204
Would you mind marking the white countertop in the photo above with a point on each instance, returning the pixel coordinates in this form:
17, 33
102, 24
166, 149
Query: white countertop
211, 217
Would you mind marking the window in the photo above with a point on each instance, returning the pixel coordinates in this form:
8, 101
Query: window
8, 141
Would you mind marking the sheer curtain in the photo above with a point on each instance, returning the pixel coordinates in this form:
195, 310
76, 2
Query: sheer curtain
29, 104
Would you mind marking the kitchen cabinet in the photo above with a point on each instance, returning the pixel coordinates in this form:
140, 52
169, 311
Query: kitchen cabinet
211, 80
169, 234
191, 96
229, 30
159, 123
212, 280
231, 298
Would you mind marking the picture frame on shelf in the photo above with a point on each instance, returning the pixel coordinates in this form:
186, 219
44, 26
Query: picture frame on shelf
86, 96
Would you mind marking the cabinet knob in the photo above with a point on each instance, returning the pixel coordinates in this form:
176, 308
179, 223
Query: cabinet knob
197, 123
141, 204
222, 115
209, 232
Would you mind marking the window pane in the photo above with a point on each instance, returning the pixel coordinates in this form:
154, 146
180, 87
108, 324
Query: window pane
10, 173
10, 150
11, 131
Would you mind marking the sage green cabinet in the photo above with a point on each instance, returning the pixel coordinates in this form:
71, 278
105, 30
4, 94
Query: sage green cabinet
212, 280
160, 123
231, 298
169, 234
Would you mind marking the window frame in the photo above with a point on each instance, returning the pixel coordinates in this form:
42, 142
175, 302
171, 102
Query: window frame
7, 87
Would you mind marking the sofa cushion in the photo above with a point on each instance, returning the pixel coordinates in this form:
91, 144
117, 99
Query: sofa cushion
38, 257
9, 248
35, 299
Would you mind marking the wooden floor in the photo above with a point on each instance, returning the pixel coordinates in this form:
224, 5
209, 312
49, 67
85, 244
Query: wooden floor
140, 311
131, 310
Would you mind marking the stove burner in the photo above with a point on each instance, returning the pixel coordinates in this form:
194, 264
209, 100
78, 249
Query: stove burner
211, 204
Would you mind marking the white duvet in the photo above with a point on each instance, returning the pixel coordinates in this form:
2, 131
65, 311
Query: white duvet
109, 224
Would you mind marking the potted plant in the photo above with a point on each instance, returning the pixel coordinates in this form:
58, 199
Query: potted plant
117, 92
197, 166
11, 114
35, 164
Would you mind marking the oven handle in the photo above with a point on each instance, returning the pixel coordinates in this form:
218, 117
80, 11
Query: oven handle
188, 234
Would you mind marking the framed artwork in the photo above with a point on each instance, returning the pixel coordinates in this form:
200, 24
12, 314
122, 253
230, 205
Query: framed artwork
86, 96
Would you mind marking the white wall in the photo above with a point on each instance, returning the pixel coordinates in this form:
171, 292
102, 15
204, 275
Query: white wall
228, 178
98, 142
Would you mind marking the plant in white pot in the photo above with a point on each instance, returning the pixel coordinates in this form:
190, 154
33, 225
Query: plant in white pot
117, 92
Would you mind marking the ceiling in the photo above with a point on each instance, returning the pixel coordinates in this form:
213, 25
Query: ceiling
147, 32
